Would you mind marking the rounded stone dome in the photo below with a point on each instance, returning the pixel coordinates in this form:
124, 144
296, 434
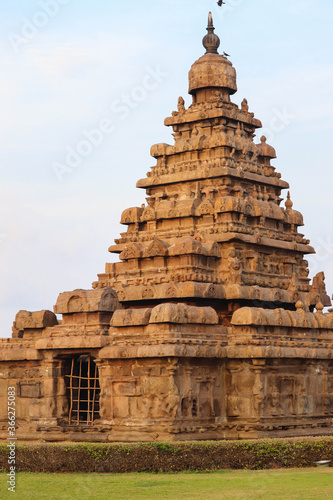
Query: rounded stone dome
265, 149
211, 42
212, 70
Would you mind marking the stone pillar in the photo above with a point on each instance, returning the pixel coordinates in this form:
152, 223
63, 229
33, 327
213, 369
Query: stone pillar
105, 381
54, 404
258, 387
233, 398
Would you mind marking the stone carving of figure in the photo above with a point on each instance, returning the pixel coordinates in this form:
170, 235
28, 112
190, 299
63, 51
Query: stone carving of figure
235, 271
304, 269
181, 144
274, 401
245, 106
223, 132
198, 137
232, 152
238, 131
186, 406
239, 143
171, 402
319, 283
217, 97
181, 105
258, 395
304, 401
233, 403
290, 399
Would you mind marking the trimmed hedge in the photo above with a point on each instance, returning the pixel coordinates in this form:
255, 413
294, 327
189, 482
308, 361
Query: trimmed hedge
169, 457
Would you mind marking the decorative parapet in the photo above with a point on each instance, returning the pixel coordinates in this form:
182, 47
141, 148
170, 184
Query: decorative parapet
165, 313
182, 313
263, 333
252, 316
166, 330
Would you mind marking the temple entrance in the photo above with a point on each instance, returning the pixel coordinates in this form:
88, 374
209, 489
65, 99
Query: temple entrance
82, 382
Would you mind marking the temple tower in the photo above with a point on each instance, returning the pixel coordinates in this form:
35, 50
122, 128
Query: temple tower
213, 230
208, 327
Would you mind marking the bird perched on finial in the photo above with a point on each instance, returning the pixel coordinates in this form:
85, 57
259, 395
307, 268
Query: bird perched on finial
226, 55
220, 3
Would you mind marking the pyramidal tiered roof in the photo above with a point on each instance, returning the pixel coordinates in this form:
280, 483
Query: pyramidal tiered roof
213, 229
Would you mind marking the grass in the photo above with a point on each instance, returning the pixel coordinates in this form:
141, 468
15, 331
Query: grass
290, 484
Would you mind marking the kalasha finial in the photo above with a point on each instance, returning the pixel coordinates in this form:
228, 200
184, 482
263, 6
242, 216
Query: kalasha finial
211, 42
289, 204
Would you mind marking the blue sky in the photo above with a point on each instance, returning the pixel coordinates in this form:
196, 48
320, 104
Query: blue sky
66, 68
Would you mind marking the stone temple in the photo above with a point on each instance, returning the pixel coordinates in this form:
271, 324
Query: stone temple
208, 327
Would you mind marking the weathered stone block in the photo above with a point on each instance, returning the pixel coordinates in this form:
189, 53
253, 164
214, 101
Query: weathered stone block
125, 388
120, 407
98, 300
131, 215
131, 317
182, 313
29, 390
35, 320
34, 410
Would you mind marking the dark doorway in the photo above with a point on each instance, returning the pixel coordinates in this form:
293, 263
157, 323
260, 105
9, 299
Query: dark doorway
82, 382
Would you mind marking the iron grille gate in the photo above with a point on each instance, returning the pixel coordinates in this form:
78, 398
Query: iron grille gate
83, 391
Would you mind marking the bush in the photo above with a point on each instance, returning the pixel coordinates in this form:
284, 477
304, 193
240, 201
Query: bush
169, 457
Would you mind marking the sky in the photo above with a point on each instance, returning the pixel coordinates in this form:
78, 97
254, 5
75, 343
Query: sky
84, 89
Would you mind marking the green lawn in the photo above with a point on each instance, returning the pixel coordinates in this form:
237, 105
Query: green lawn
286, 484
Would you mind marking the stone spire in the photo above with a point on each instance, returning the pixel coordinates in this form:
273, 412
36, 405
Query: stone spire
211, 41
212, 72
289, 204
213, 228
